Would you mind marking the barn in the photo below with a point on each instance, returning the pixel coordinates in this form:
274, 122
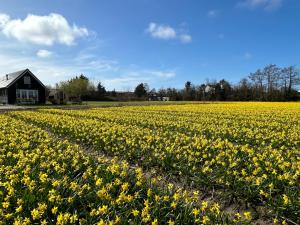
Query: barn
22, 87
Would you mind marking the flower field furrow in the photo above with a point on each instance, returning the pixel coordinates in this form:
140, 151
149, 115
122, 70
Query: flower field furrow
250, 151
49, 181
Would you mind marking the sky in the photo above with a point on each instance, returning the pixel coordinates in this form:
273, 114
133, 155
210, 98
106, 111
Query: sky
164, 43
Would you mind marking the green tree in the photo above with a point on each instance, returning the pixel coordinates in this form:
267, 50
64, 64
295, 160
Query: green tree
76, 87
189, 91
141, 90
101, 91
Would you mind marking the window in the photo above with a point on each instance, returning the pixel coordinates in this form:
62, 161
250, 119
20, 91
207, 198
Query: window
27, 80
24, 94
27, 95
30, 94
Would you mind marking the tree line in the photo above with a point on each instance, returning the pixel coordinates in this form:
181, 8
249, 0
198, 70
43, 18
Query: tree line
270, 83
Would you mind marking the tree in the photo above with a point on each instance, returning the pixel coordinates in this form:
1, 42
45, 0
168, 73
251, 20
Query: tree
210, 90
153, 91
83, 77
222, 90
101, 90
200, 92
140, 90
290, 77
173, 94
76, 87
113, 93
162, 93
271, 74
244, 90
189, 91
258, 82
147, 88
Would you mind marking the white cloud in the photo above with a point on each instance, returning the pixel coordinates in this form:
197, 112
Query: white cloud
42, 53
185, 38
41, 30
161, 31
162, 74
3, 20
166, 32
267, 5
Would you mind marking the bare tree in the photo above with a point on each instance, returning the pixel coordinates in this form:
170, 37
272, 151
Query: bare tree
244, 90
271, 74
290, 78
258, 80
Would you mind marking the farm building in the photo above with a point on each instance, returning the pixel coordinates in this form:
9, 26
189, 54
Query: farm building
22, 87
57, 96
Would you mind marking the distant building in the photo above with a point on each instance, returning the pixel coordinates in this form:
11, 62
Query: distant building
57, 96
22, 87
154, 97
209, 88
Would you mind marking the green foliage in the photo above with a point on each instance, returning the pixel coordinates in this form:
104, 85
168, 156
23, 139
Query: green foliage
101, 91
76, 87
141, 90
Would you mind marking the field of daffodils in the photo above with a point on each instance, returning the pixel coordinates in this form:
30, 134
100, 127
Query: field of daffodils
218, 163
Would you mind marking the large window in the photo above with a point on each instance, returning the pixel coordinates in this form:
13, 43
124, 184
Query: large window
27, 96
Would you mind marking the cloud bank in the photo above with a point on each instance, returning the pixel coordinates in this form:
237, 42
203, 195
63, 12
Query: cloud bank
41, 30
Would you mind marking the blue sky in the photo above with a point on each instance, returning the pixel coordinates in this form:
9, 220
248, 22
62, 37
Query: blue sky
162, 42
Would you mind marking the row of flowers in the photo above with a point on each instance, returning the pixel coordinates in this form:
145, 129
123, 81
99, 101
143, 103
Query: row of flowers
49, 181
250, 151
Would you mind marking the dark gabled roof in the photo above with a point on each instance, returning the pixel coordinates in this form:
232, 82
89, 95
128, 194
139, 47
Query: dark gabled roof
10, 78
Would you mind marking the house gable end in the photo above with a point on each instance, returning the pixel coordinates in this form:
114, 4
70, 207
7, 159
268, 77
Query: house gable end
27, 71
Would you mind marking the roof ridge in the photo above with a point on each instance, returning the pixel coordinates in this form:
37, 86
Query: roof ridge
19, 71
